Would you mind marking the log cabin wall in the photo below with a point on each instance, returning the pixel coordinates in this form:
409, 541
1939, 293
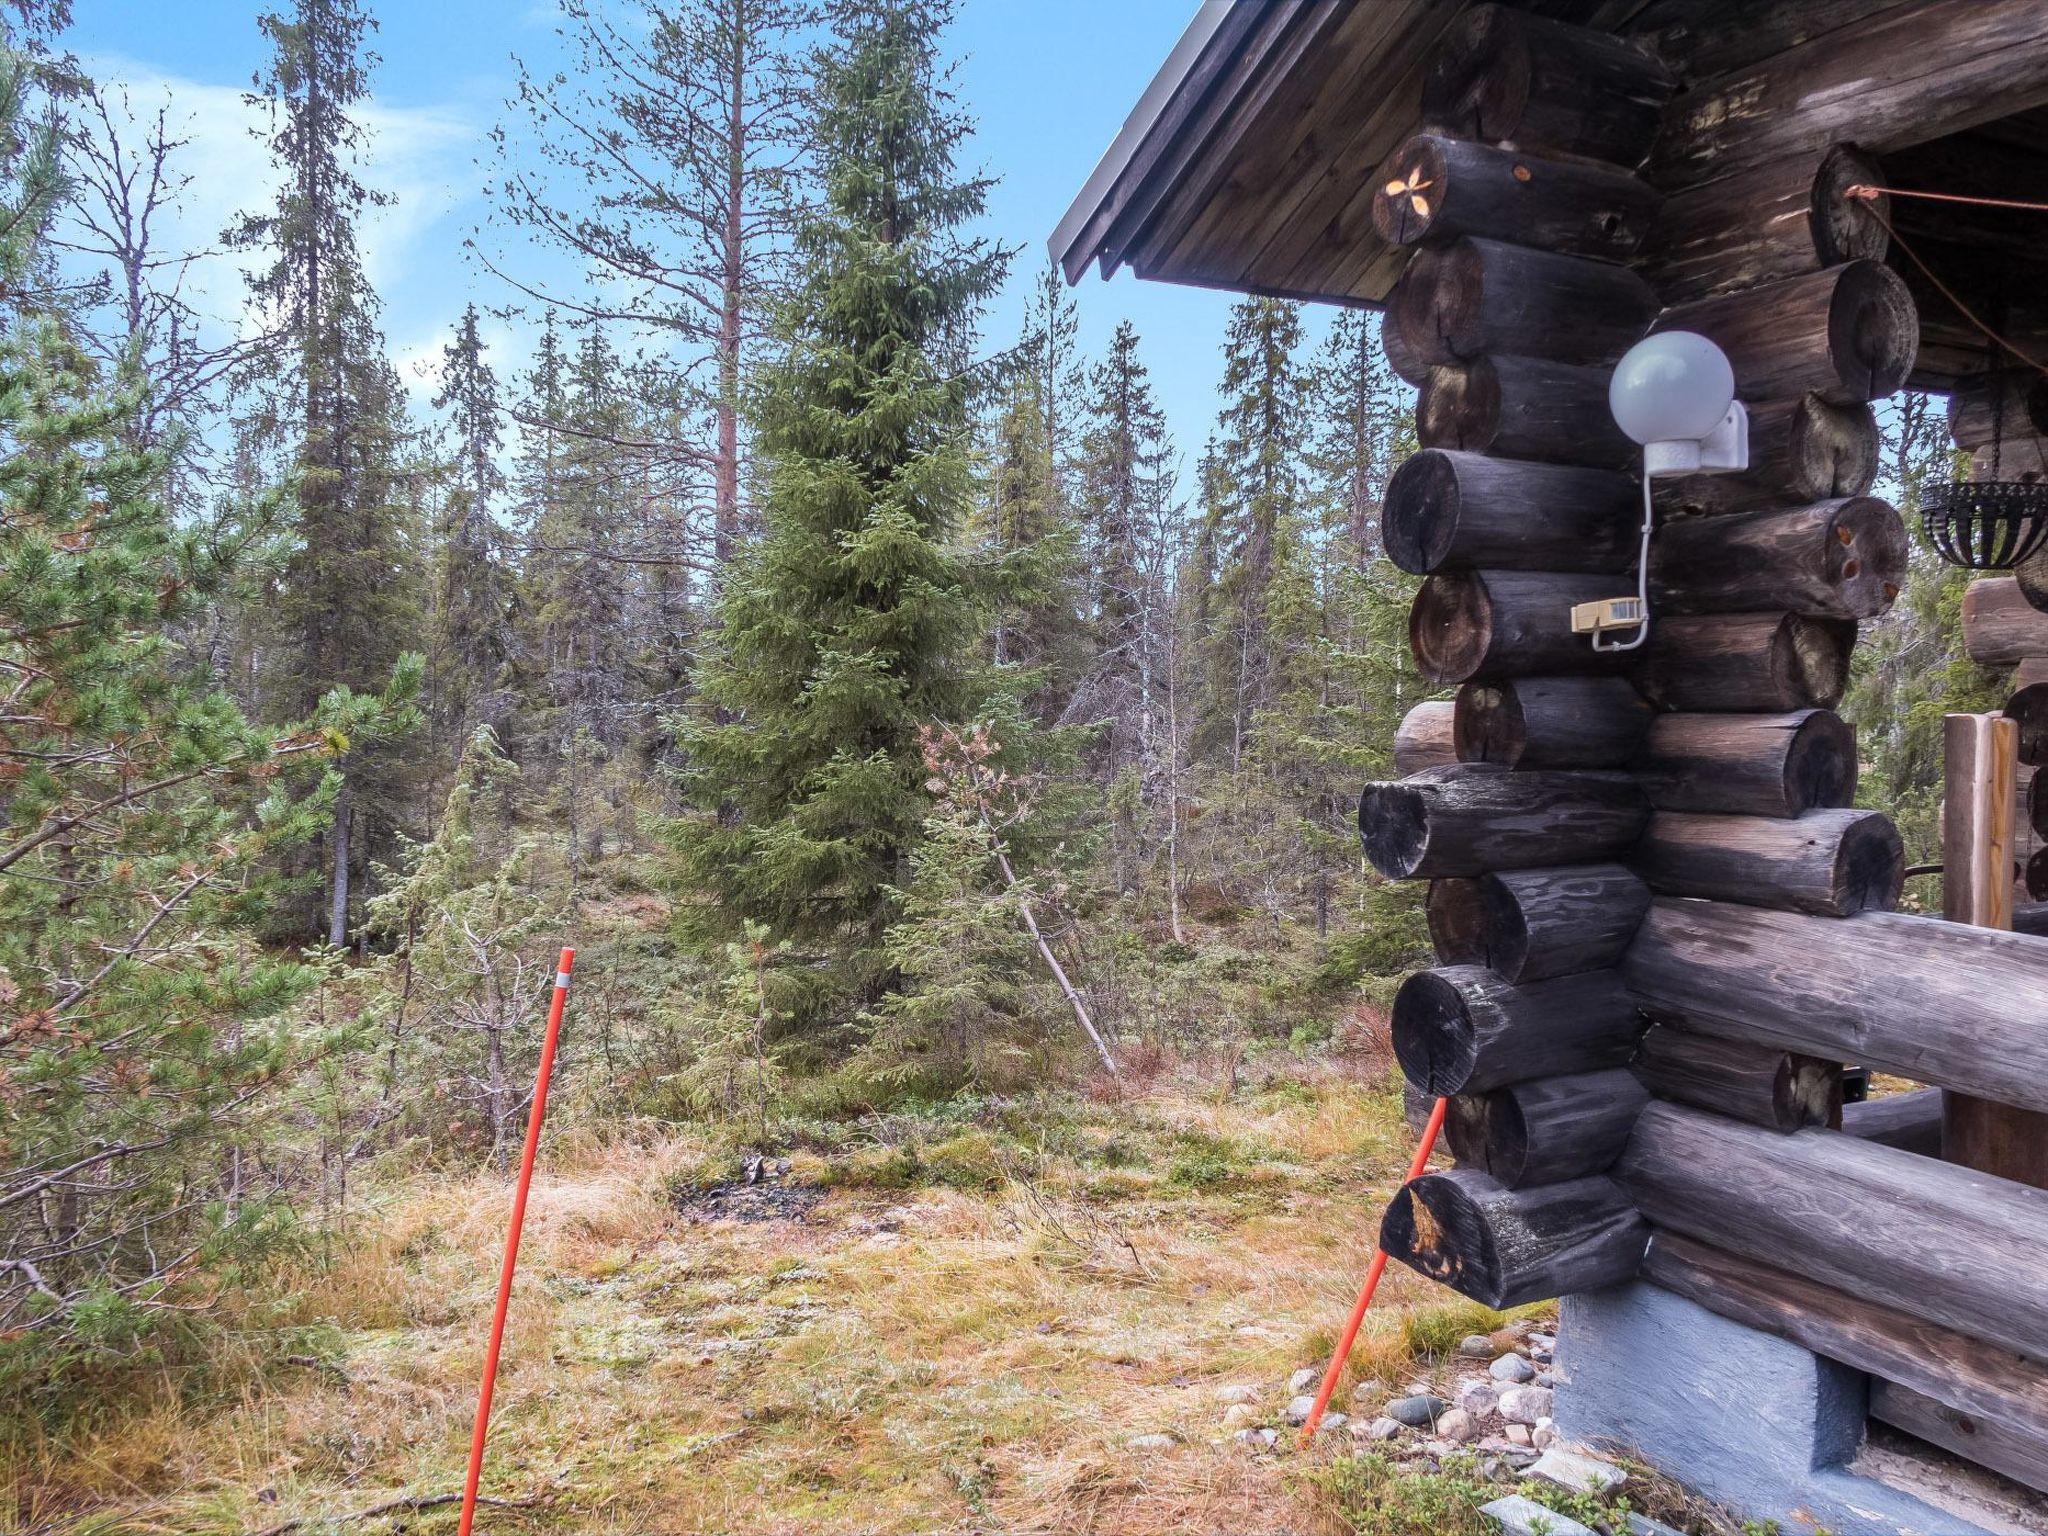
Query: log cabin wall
1667, 839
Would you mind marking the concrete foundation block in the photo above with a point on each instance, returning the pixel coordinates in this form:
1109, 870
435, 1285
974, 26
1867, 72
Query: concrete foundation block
1745, 1418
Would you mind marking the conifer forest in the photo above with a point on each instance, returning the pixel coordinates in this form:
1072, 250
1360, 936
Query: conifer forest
945, 770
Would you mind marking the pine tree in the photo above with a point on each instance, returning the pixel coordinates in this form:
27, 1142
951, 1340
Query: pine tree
1036, 627
851, 625
144, 1037
348, 594
469, 637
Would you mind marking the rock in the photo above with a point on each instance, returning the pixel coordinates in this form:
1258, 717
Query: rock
1457, 1425
1150, 1442
1519, 1516
1478, 1398
1511, 1368
1237, 1392
1269, 1438
1419, 1410
1332, 1421
1379, 1429
1258, 1439
1238, 1415
1476, 1346
1298, 1409
1542, 1436
1304, 1380
1525, 1405
1517, 1434
1546, 1378
1643, 1525
1578, 1472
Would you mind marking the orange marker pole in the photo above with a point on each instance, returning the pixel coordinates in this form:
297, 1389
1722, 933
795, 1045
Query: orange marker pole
533, 1119
1377, 1268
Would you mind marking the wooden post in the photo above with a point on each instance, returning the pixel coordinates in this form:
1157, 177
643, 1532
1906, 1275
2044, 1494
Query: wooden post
1981, 755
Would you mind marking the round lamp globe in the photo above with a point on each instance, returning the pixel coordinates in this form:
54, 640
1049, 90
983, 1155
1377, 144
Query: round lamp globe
1676, 386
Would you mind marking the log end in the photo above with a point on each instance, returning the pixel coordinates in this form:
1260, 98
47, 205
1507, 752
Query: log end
1811, 655
1450, 627
1848, 228
1434, 1038
1435, 1228
1820, 764
1458, 406
1393, 827
1487, 725
1409, 191
1870, 866
1873, 331
1419, 515
1866, 556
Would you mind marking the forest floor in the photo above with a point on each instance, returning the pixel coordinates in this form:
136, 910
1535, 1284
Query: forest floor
959, 1323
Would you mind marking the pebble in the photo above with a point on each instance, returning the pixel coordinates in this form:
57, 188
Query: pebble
1238, 1415
1478, 1398
1299, 1408
1333, 1420
1304, 1380
1517, 1434
1150, 1442
1418, 1411
1260, 1439
1519, 1516
1457, 1425
1525, 1405
1237, 1392
1546, 1378
1643, 1525
1379, 1429
1582, 1474
1542, 1436
1476, 1346
1511, 1368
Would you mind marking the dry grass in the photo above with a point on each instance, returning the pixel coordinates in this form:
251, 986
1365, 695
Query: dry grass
918, 1360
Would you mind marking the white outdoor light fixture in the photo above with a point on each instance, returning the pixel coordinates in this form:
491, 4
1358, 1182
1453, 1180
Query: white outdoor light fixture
1675, 394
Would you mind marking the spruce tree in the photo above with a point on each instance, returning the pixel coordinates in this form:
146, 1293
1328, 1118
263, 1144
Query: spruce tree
853, 621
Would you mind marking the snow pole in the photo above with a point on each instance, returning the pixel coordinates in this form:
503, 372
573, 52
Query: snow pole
1373, 1272
533, 1120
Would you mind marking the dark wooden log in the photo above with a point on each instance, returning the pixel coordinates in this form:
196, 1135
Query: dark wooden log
1484, 298
1461, 1029
1910, 1121
1989, 407
1939, 1003
1760, 1084
1801, 450
1789, 218
2031, 917
1995, 1387
1746, 661
1547, 1131
1416, 1108
2028, 709
1434, 189
1400, 353
1504, 75
1425, 739
1842, 559
1551, 722
1835, 863
2037, 875
1912, 74
1954, 1247
2015, 1452
1522, 408
1996, 1137
2029, 671
1473, 817
1492, 624
2021, 458
1747, 765
1532, 924
2000, 627
1447, 509
1503, 1247
1848, 334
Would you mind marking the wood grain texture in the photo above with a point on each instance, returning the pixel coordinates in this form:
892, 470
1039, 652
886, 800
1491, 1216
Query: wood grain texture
2000, 627
1548, 1131
2017, 1452
1523, 408
1532, 924
1839, 559
1435, 188
1910, 1121
1848, 334
1934, 1002
1477, 298
1948, 1245
1746, 662
1424, 739
1748, 765
1759, 1084
1470, 818
1551, 722
1801, 450
1462, 1029
1833, 863
1504, 1247
1444, 508
1499, 624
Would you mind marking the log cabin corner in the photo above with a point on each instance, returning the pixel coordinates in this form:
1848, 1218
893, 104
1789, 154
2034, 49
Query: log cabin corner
1662, 927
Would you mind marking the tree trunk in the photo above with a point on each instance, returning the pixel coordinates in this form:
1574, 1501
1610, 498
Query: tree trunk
1551, 722
337, 869
1471, 818
1848, 334
1834, 863
1843, 559
1494, 624
1743, 662
1546, 1132
1523, 408
1482, 298
1407, 364
1935, 1002
1444, 508
1461, 1029
1433, 189
1758, 1084
1801, 450
1423, 739
1532, 924
1749, 765
1504, 1247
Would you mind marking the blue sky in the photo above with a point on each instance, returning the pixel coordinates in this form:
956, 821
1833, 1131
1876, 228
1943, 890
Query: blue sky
1050, 82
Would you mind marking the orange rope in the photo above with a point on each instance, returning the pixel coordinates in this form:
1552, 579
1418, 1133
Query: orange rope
1864, 192
1868, 195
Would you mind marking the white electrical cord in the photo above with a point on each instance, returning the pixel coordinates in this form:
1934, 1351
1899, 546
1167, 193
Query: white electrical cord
1642, 577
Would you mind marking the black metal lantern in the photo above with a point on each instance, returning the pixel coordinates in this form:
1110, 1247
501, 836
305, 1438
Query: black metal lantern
1986, 525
